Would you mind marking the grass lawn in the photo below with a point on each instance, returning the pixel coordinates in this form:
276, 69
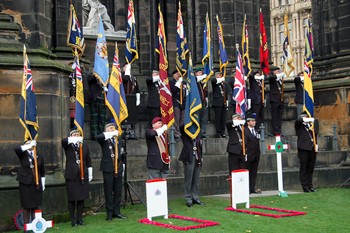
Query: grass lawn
328, 210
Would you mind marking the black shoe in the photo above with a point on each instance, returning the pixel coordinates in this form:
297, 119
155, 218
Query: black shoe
74, 224
312, 190
198, 202
204, 136
256, 191
306, 190
81, 222
109, 219
189, 204
119, 216
223, 135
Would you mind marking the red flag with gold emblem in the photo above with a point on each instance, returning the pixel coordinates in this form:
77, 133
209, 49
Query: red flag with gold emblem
166, 101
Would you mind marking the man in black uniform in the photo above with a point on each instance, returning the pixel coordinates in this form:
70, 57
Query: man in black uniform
178, 90
191, 156
219, 103
253, 153
255, 97
236, 156
157, 150
130, 84
30, 194
276, 98
112, 178
203, 92
307, 149
153, 102
77, 190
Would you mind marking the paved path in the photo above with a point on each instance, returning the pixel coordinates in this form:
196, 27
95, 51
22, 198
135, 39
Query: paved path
262, 194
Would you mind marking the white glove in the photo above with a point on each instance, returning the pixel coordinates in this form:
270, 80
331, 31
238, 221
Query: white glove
180, 80
259, 77
128, 69
90, 173
219, 80
28, 146
109, 135
25, 147
137, 99
249, 102
316, 149
308, 119
32, 143
178, 84
201, 77
302, 78
156, 78
75, 140
105, 88
165, 127
226, 103
160, 131
43, 182
238, 122
245, 78
280, 76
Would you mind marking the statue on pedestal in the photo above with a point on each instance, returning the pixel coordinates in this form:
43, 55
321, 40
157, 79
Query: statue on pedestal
92, 10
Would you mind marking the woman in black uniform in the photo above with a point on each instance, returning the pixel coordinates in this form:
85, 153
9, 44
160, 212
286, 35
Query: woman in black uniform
77, 190
30, 194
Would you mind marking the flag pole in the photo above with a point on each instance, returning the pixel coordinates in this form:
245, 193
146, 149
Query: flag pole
243, 142
116, 155
81, 162
36, 169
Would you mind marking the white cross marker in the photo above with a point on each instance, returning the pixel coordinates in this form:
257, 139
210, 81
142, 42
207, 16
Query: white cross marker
278, 147
39, 224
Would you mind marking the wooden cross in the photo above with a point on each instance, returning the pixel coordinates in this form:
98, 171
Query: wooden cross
279, 147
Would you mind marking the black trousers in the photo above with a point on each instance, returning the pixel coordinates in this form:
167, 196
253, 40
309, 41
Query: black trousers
252, 166
220, 119
235, 161
112, 187
276, 113
75, 209
307, 160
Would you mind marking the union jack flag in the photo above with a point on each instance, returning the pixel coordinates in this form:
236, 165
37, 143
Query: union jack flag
239, 89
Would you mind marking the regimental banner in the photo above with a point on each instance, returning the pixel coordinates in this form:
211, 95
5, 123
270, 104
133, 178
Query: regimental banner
75, 38
264, 50
245, 49
28, 112
207, 59
309, 58
181, 45
79, 96
193, 105
101, 66
115, 99
288, 65
166, 101
131, 53
222, 49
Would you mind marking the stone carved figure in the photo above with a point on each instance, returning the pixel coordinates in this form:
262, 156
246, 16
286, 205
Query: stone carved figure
92, 10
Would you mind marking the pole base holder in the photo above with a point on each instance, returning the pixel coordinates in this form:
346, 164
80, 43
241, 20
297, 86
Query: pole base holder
283, 194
